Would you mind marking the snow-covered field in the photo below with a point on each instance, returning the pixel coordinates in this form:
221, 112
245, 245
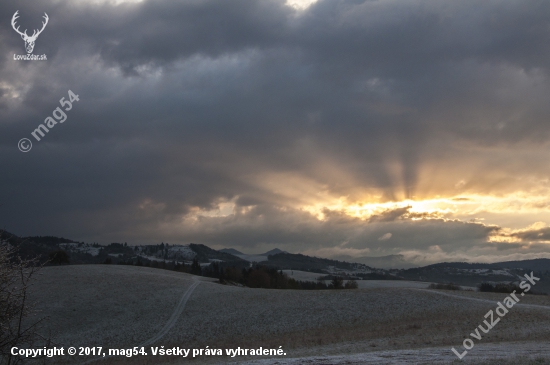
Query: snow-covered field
499, 353
363, 284
371, 284
107, 303
125, 306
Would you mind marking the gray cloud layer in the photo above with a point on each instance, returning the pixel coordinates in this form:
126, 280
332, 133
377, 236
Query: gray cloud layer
186, 105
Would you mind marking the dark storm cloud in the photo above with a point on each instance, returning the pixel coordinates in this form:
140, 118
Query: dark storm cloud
509, 246
295, 230
533, 235
188, 105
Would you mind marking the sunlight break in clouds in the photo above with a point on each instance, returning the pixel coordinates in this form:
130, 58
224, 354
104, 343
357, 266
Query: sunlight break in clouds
300, 4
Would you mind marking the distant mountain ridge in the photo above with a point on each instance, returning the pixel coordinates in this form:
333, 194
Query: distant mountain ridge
206, 254
285, 260
275, 251
381, 262
257, 258
231, 251
532, 264
462, 273
473, 274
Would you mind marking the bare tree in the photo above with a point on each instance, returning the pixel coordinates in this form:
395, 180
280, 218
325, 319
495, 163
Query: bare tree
19, 325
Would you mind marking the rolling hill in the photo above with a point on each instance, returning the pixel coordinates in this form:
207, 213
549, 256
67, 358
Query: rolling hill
461, 273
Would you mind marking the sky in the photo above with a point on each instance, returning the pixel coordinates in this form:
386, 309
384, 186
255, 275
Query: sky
334, 128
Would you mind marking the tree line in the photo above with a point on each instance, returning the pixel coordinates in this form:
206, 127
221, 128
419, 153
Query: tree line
265, 277
258, 276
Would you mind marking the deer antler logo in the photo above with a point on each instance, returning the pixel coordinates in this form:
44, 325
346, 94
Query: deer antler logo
29, 41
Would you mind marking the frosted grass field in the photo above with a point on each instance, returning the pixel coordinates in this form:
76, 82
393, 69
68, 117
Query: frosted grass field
363, 284
125, 306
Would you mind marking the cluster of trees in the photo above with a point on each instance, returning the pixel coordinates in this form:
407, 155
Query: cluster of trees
362, 276
449, 286
194, 268
378, 276
253, 277
486, 288
270, 278
59, 257
301, 262
503, 288
115, 247
155, 250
